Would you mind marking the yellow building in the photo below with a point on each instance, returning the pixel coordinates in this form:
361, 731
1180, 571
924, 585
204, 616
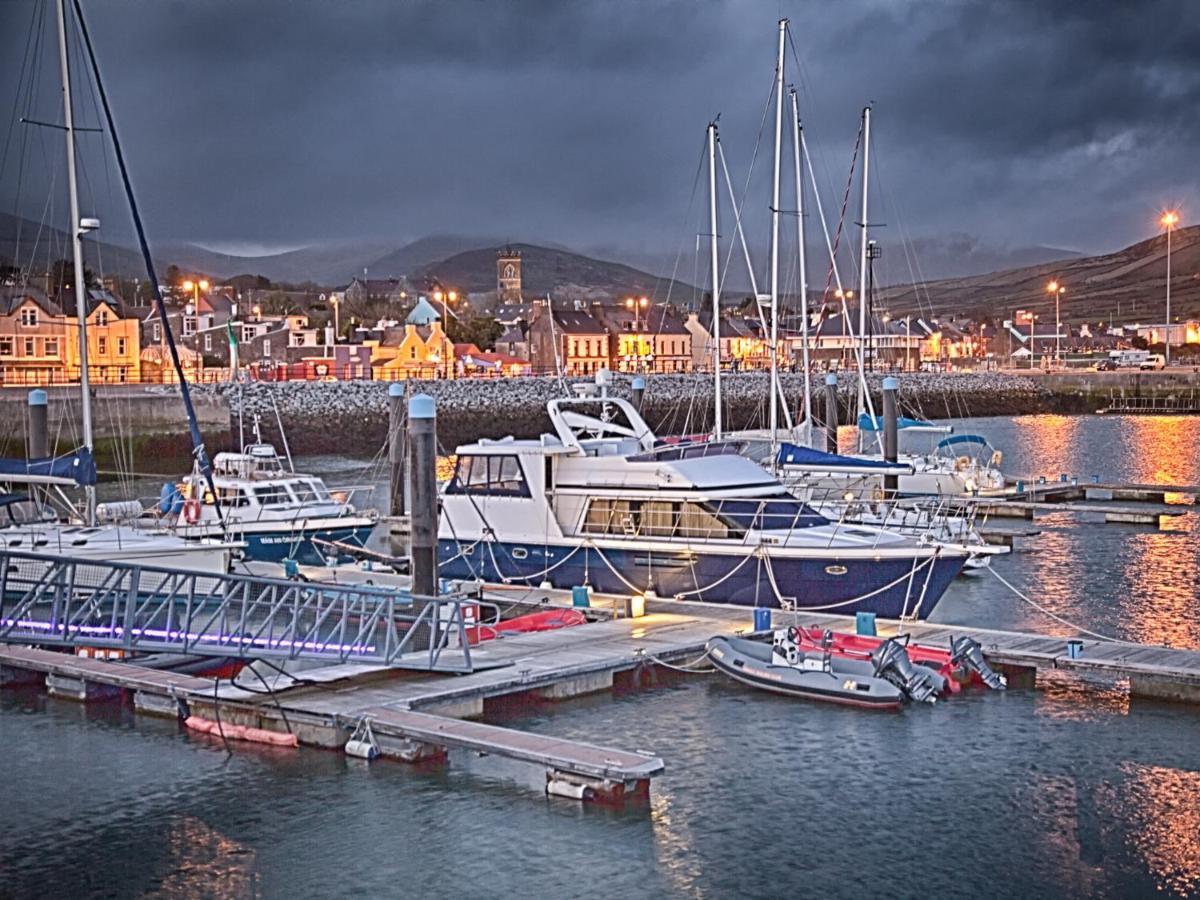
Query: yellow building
39, 342
419, 351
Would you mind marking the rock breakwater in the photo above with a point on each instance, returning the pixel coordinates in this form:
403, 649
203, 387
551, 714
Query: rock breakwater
350, 417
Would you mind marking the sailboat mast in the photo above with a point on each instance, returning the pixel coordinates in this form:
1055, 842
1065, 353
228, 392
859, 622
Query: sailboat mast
783, 23
716, 276
862, 264
77, 252
797, 131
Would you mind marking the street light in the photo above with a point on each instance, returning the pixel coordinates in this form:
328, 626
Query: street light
1057, 290
196, 287
1168, 221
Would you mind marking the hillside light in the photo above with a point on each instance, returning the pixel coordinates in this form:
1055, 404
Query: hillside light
1169, 219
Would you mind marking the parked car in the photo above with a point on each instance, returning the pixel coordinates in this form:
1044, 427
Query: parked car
1107, 365
1153, 361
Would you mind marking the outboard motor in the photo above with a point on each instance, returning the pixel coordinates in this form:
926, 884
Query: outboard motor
966, 652
892, 662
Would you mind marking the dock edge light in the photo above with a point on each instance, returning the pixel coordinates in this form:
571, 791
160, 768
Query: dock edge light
890, 383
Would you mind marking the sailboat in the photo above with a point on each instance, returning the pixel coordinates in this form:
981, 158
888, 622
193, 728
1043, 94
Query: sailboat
29, 523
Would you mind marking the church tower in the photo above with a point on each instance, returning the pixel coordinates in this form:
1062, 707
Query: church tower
508, 275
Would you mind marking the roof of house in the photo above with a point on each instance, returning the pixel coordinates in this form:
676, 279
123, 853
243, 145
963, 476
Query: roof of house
577, 321
423, 313
514, 335
12, 297
654, 320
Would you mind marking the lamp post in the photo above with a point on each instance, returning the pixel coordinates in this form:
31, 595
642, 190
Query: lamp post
1057, 290
634, 304
1169, 220
444, 298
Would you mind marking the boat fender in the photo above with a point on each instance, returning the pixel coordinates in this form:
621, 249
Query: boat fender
361, 749
191, 511
557, 787
170, 501
962, 463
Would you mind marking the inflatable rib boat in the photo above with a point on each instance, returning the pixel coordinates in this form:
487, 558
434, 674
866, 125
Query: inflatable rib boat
814, 676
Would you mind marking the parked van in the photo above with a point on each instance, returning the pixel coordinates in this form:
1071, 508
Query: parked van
1153, 361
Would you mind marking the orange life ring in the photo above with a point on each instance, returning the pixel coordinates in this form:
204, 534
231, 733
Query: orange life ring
191, 511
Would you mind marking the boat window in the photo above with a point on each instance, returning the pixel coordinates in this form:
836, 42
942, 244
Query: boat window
318, 488
767, 515
605, 516
659, 518
497, 475
302, 491
272, 495
695, 521
234, 497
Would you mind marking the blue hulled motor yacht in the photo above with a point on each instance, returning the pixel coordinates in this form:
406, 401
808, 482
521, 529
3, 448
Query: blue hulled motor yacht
603, 503
278, 513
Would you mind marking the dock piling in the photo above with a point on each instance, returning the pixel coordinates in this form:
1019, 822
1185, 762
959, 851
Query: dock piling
639, 391
395, 449
37, 445
831, 413
422, 464
890, 435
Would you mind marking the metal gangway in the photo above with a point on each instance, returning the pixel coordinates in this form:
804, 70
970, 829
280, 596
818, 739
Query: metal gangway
56, 601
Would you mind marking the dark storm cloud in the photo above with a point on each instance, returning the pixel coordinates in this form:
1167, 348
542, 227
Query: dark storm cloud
284, 122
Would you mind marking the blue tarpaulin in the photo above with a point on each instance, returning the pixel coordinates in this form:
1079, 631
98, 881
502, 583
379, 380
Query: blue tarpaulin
795, 455
866, 423
79, 466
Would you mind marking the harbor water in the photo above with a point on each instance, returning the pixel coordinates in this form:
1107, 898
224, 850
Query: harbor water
1057, 792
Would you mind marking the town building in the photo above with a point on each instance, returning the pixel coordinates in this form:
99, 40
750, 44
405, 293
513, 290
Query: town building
508, 276
39, 340
645, 337
570, 340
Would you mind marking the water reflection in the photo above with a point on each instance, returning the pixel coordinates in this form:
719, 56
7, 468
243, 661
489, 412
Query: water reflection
202, 862
1163, 807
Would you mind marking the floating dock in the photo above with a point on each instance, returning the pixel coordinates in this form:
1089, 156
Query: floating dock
422, 716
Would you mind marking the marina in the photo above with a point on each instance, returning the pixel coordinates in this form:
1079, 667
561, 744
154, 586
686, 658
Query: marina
840, 553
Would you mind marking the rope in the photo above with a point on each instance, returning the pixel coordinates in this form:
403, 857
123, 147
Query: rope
1058, 618
689, 667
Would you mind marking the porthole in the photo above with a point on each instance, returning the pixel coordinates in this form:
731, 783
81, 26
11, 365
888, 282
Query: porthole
835, 570
519, 553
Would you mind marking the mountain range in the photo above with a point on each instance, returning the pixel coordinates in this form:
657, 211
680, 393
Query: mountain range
1126, 286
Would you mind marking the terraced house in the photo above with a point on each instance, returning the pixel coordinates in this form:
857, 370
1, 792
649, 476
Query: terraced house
39, 340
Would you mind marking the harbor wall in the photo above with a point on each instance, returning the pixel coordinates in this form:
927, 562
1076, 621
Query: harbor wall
145, 426
351, 417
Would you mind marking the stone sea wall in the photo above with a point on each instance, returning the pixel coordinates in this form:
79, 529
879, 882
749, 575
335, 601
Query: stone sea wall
351, 417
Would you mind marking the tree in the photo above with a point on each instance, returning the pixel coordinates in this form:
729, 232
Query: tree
471, 327
174, 276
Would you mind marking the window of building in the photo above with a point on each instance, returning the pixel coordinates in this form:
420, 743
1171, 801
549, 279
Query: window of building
266, 347
6, 346
207, 343
102, 317
189, 326
29, 347
121, 346
29, 316
50, 348
497, 476
102, 345
248, 332
157, 332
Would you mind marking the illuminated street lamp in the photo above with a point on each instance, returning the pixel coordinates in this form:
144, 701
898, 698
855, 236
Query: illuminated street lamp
1057, 290
445, 297
1169, 219
196, 287
634, 304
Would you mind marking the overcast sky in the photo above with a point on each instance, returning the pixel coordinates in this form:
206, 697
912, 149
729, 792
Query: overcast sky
270, 123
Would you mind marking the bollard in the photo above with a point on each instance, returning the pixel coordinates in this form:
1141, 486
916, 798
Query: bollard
423, 502
891, 438
395, 449
639, 391
831, 413
37, 443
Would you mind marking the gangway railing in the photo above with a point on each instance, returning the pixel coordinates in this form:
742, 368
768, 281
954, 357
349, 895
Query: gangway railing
56, 601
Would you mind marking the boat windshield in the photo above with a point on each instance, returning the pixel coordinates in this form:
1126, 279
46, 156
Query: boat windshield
720, 519
775, 514
17, 509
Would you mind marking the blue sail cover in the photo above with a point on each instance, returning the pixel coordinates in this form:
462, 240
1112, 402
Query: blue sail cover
79, 466
795, 455
963, 439
866, 423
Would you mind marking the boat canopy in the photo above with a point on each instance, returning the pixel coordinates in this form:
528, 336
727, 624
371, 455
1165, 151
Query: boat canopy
77, 467
816, 460
958, 439
875, 423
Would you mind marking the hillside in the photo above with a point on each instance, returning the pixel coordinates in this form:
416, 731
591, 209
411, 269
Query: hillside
327, 264
550, 270
1129, 284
